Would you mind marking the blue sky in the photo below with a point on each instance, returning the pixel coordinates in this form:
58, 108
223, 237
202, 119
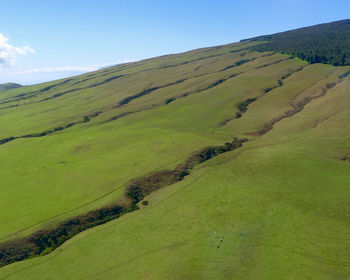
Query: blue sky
47, 40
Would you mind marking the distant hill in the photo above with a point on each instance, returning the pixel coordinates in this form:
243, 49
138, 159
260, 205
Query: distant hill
9, 86
327, 43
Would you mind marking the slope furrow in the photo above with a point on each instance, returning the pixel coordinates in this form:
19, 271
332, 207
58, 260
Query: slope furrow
243, 106
56, 95
45, 241
297, 108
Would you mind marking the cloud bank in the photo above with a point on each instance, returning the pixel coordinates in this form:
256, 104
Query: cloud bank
69, 69
9, 53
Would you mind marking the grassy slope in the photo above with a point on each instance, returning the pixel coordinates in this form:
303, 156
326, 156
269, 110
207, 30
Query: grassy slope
96, 158
279, 203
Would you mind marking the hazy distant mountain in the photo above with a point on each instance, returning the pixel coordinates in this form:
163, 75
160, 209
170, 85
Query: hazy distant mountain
9, 86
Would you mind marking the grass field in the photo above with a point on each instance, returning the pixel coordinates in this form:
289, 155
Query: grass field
277, 208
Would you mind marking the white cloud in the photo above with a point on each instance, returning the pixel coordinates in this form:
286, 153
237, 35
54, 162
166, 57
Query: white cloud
69, 69
62, 69
9, 53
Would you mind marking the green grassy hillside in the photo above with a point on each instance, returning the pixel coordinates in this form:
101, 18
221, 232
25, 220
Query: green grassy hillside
276, 208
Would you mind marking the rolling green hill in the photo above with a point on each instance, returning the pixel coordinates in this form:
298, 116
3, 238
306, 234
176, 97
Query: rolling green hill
230, 162
8, 86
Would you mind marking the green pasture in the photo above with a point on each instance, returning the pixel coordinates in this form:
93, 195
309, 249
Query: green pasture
277, 208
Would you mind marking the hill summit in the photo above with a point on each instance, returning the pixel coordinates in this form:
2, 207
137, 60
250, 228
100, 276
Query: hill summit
327, 43
8, 86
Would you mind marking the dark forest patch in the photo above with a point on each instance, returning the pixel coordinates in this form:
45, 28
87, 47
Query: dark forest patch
324, 43
243, 106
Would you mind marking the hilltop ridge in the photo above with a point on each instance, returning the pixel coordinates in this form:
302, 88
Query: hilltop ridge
327, 43
8, 86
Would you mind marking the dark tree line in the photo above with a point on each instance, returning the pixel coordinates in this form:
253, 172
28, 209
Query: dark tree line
325, 43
